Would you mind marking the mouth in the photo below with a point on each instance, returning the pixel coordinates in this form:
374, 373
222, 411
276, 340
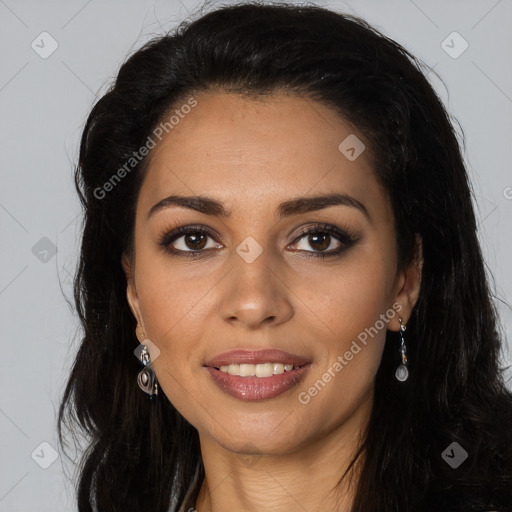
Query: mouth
257, 375
253, 387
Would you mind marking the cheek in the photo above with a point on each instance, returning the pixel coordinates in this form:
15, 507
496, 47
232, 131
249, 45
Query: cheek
350, 352
173, 301
175, 308
176, 325
354, 309
350, 298
173, 313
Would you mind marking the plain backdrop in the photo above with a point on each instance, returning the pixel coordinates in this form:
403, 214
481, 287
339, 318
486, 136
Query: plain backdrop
45, 97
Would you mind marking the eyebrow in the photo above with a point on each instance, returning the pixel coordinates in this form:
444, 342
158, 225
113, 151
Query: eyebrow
298, 205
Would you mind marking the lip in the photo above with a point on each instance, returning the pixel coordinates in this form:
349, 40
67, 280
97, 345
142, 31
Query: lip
257, 388
245, 356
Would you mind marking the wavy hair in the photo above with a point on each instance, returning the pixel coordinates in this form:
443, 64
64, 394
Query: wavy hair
142, 454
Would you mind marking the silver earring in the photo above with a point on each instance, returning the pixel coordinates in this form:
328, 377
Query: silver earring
402, 373
146, 379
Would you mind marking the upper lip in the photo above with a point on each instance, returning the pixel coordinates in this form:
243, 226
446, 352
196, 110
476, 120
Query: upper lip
245, 356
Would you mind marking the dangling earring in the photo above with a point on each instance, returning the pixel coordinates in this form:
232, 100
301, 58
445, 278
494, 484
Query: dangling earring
402, 373
146, 378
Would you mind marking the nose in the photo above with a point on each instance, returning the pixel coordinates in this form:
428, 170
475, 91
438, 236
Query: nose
255, 294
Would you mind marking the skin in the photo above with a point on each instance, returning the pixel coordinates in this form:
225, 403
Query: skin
276, 454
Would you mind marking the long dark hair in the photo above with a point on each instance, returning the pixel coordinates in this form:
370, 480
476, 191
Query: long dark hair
142, 453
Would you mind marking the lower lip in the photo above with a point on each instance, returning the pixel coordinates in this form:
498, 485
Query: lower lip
257, 388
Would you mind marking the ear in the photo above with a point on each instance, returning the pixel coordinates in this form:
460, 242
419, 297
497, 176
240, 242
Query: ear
131, 294
408, 284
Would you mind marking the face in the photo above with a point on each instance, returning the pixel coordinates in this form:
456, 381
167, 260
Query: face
306, 278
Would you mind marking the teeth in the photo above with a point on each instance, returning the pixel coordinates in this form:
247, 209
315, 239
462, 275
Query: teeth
258, 370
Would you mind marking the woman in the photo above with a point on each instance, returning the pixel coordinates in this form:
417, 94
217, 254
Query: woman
278, 224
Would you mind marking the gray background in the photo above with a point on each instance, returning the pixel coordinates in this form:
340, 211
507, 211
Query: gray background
43, 105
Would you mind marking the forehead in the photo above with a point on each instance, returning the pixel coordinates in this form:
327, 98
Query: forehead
245, 151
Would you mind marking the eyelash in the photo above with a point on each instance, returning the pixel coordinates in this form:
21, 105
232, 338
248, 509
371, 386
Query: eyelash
347, 238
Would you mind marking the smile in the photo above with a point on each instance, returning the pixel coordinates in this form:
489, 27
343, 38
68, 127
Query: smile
263, 385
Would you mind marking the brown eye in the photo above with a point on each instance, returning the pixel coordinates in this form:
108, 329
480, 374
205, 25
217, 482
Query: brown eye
319, 242
195, 241
323, 237
189, 241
